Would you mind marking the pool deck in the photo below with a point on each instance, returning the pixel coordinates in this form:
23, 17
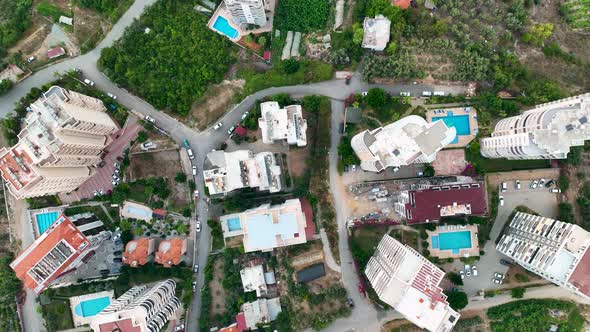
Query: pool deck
75, 300
32, 213
473, 251
463, 140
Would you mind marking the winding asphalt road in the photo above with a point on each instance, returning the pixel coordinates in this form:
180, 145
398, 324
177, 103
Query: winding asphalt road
364, 316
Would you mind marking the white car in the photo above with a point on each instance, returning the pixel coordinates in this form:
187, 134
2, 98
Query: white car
88, 82
404, 94
496, 281
501, 200
194, 170
426, 93
468, 270
181, 326
149, 119
147, 145
218, 125
101, 192
555, 190
245, 115
111, 95
95, 193
462, 274
541, 182
474, 269
190, 153
231, 130
364, 93
439, 93
196, 268
31, 59
198, 226
517, 184
534, 184
504, 187
395, 169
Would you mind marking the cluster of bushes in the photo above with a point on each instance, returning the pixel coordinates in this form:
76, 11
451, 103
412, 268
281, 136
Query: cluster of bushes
15, 18
532, 315
111, 8
301, 15
583, 202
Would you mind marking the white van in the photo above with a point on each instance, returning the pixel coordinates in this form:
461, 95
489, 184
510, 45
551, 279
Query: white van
426, 93
439, 93
190, 153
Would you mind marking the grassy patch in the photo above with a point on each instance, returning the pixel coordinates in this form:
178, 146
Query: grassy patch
577, 13
52, 11
216, 234
484, 165
57, 315
97, 211
363, 242
532, 315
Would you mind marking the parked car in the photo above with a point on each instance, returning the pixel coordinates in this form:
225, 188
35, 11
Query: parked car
196, 269
117, 253
101, 192
346, 168
468, 270
534, 184
194, 170
364, 93
517, 182
505, 262
404, 94
198, 227
495, 281
395, 169
350, 302
101, 164
426, 93
179, 328
353, 168
147, 145
341, 128
555, 190
549, 183
218, 125
31, 59
117, 165
111, 95
149, 119
117, 260
231, 130
474, 270
245, 115
88, 82
462, 274
190, 154
95, 193
439, 93
541, 182
504, 187
104, 271
501, 200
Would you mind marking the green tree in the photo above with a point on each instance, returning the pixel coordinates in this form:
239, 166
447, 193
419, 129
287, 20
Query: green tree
142, 136
180, 177
358, 33
566, 213
428, 170
301, 15
455, 278
9, 283
5, 85
290, 66
518, 292
563, 182
376, 98
125, 225
262, 40
457, 300
538, 33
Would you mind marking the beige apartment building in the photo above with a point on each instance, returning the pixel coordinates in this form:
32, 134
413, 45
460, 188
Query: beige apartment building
63, 135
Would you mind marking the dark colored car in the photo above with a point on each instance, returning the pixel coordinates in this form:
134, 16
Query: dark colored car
117, 253
105, 271
505, 262
117, 260
549, 183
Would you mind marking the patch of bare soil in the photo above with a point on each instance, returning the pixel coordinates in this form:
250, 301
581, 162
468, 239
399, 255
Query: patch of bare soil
161, 164
217, 291
297, 161
33, 37
400, 325
214, 103
89, 27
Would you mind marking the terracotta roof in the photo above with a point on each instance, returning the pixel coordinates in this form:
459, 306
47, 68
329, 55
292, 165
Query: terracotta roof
137, 252
159, 212
36, 268
240, 131
580, 278
232, 328
403, 4
55, 52
425, 205
170, 252
123, 325
241, 321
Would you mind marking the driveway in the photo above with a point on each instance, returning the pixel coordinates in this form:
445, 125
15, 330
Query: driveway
539, 200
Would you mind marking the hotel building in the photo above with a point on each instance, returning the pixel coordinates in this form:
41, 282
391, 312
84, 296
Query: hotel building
406, 141
282, 124
63, 135
545, 132
247, 11
409, 283
555, 250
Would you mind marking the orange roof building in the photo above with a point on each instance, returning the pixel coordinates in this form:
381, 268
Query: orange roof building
171, 252
403, 4
138, 252
54, 253
232, 328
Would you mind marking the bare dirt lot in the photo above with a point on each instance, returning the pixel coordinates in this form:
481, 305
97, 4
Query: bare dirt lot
162, 164
297, 160
217, 291
214, 103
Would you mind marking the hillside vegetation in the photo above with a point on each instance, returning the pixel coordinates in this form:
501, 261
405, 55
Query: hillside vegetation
15, 18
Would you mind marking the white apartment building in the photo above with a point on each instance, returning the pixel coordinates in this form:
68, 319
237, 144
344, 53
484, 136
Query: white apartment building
140, 309
247, 11
268, 226
261, 311
376, 33
406, 141
409, 283
63, 135
545, 132
228, 171
282, 124
555, 250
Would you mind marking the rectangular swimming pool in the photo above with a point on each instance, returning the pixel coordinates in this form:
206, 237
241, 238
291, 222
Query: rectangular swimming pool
234, 224
44, 220
460, 122
92, 307
222, 25
452, 241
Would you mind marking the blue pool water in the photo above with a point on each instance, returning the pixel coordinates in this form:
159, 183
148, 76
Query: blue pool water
44, 220
460, 122
92, 307
234, 224
452, 241
222, 25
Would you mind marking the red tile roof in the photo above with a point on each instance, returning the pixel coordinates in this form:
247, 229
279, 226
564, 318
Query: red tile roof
241, 321
266, 55
55, 52
425, 205
308, 212
580, 278
170, 252
73, 243
137, 252
403, 4
159, 213
232, 328
241, 131
123, 325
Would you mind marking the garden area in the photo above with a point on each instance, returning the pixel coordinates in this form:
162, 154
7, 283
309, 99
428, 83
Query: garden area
107, 214
10, 286
168, 56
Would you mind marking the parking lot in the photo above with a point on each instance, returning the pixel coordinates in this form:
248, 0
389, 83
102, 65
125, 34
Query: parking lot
540, 200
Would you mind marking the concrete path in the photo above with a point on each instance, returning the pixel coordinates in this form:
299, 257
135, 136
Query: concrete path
330, 261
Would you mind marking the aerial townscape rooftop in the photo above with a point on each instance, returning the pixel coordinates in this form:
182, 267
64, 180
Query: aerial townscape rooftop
295, 165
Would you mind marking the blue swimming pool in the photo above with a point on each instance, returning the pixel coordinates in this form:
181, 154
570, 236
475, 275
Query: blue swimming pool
460, 122
92, 307
453, 241
234, 224
222, 25
44, 220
